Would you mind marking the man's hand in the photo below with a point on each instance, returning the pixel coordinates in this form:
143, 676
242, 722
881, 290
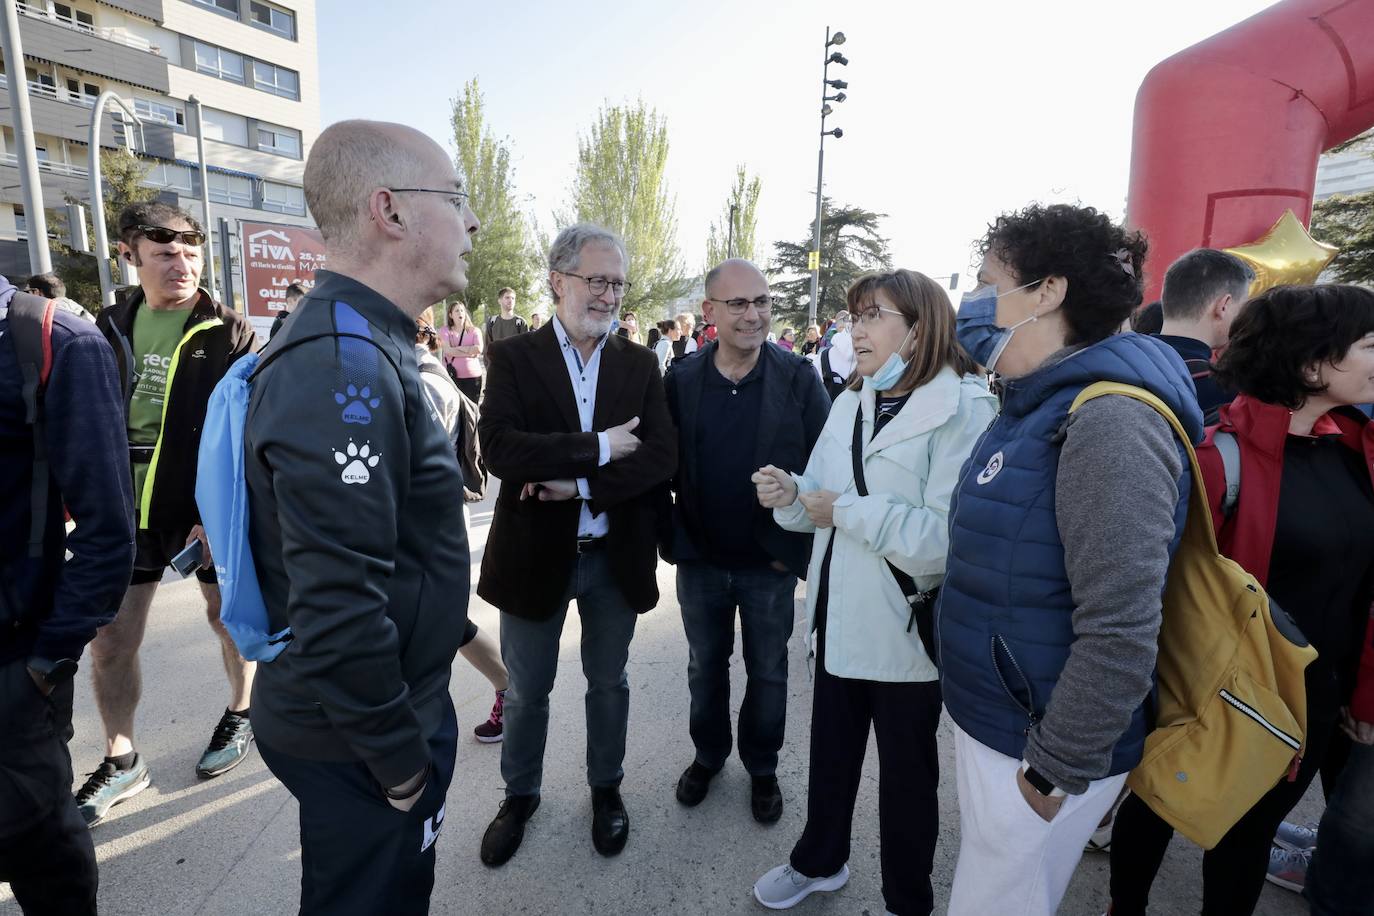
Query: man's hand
1046, 807
820, 507
1359, 732
40, 682
776, 488
550, 490
622, 438
198, 534
412, 789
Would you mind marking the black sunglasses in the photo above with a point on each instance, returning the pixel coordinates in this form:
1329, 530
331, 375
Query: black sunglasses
164, 236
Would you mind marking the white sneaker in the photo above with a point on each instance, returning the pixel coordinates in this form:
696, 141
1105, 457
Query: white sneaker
784, 887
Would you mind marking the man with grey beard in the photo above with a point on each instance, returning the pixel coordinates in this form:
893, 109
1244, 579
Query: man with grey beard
575, 425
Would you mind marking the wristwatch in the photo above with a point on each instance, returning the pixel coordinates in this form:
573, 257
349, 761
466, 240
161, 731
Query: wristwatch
55, 673
1039, 783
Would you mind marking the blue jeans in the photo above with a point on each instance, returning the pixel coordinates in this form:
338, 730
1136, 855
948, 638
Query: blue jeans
530, 650
709, 596
1340, 881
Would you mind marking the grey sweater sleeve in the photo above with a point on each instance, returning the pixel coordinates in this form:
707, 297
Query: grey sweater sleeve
1115, 495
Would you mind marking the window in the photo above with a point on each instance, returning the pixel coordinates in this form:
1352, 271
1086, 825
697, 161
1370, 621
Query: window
273, 19
227, 7
21, 222
280, 140
276, 80
163, 112
40, 150
169, 175
40, 79
218, 62
82, 93
283, 198
229, 128
230, 189
70, 16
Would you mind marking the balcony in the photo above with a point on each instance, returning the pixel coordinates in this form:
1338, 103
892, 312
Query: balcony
57, 179
59, 112
148, 9
112, 53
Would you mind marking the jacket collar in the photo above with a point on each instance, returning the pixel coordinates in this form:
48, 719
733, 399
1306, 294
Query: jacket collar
205, 308
930, 406
372, 305
553, 371
1265, 426
777, 381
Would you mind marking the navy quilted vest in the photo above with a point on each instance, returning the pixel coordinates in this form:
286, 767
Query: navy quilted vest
1005, 614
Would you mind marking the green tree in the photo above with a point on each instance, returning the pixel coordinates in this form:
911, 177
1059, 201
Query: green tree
1347, 221
122, 174
850, 245
620, 185
503, 253
741, 208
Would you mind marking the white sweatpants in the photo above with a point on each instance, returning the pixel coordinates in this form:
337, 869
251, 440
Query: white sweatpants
1011, 861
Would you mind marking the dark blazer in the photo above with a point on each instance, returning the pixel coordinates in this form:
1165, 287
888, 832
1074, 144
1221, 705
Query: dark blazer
793, 413
530, 431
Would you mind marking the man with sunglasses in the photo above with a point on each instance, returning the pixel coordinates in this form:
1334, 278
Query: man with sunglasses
575, 426
739, 405
172, 344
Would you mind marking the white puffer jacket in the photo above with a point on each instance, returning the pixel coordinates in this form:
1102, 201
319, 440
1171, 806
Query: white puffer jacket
911, 468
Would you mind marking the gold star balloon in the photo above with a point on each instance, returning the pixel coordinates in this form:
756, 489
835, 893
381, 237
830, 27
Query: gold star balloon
1285, 255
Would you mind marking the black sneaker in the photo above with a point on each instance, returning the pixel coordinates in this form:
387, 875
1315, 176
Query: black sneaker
108, 786
228, 747
693, 785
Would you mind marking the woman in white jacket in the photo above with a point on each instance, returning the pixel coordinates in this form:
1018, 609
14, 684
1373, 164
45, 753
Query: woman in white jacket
913, 412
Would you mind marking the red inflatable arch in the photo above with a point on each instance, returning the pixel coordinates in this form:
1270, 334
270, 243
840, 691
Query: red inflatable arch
1228, 132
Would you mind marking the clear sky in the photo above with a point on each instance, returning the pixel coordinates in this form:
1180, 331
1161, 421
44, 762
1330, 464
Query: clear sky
956, 111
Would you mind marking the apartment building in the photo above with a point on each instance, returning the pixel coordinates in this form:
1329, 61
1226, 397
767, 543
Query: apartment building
252, 64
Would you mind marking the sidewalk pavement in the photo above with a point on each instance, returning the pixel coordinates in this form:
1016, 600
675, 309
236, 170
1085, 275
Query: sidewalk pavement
230, 845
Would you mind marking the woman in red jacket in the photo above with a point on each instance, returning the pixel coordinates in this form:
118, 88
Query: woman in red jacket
1303, 525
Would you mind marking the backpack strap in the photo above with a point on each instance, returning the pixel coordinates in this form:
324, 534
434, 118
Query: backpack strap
1199, 512
31, 330
1229, 450
1198, 368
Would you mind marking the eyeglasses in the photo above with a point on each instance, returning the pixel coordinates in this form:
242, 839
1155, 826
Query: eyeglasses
597, 286
459, 199
164, 236
873, 314
738, 307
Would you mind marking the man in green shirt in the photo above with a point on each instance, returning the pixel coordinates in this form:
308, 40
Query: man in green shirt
172, 343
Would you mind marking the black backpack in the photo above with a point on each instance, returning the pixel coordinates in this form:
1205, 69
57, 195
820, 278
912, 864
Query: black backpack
834, 382
30, 320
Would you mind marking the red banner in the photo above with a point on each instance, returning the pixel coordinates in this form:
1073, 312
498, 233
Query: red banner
273, 258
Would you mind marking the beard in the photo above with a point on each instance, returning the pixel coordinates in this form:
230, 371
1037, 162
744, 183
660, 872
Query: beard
590, 323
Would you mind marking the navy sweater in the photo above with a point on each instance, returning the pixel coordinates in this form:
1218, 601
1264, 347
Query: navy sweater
50, 608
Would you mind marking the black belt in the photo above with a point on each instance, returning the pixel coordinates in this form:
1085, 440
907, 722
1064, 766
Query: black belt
141, 454
587, 545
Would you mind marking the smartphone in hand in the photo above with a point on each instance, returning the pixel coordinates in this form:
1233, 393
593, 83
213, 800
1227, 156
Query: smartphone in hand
189, 560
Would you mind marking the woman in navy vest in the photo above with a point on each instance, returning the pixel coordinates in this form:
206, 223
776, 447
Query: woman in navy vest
1061, 532
911, 414
1303, 525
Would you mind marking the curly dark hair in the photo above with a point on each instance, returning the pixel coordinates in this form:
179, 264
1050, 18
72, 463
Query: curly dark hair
1102, 262
1283, 331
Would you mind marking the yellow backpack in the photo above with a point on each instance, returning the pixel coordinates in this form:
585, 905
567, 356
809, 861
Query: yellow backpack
1232, 711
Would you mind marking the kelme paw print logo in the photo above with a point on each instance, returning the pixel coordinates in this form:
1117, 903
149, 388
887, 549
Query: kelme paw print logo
357, 405
356, 462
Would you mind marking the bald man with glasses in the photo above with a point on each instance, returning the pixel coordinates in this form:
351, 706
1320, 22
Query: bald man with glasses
739, 405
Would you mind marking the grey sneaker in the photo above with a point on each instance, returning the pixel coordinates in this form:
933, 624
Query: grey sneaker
228, 746
1295, 836
108, 786
1288, 868
785, 887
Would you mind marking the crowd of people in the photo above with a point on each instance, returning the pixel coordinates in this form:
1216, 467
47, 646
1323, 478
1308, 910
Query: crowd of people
981, 536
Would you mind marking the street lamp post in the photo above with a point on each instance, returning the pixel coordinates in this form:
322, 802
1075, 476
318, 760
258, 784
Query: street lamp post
102, 242
730, 237
826, 85
30, 185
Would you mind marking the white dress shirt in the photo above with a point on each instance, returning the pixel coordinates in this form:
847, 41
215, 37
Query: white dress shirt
584, 378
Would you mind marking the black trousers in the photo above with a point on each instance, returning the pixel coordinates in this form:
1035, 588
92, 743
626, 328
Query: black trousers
1233, 871
46, 853
359, 855
472, 387
904, 718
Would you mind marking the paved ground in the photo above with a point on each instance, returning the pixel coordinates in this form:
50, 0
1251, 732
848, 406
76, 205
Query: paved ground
230, 845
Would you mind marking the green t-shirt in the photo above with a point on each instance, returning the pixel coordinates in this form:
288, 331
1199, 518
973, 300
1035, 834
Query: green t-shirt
156, 335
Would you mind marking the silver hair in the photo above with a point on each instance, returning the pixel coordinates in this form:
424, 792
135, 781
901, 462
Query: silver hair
565, 255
